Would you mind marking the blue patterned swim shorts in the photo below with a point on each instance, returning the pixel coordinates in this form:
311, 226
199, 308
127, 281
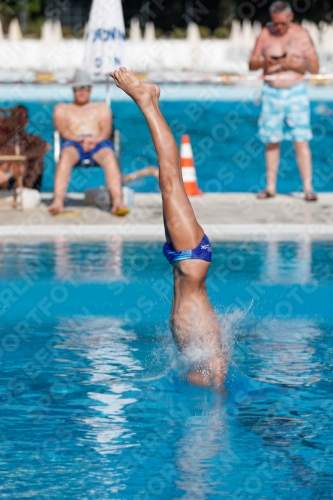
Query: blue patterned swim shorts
285, 114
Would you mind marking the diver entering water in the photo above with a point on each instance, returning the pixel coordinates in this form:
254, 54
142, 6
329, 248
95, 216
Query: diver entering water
194, 323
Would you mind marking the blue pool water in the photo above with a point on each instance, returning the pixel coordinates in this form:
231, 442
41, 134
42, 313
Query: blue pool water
228, 155
93, 403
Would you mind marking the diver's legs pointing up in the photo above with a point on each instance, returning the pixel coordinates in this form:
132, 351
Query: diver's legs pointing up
194, 323
179, 219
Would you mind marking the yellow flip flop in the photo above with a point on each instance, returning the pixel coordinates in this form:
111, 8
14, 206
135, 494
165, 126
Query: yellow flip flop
122, 211
69, 213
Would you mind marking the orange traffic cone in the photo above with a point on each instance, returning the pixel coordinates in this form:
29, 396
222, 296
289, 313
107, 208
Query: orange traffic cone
188, 168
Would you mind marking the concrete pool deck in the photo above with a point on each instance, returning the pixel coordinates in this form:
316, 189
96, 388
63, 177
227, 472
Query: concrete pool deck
224, 216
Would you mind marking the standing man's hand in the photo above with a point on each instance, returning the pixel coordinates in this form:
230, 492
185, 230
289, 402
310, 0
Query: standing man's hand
272, 65
293, 62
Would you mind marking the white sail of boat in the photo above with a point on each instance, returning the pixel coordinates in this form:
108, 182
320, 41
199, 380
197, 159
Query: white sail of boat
105, 38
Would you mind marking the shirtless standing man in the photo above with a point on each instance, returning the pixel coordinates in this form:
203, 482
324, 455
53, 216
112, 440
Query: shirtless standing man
85, 128
285, 48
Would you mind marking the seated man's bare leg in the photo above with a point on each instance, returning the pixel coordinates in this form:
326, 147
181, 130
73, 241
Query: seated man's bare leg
15, 170
4, 167
69, 157
106, 158
34, 172
143, 172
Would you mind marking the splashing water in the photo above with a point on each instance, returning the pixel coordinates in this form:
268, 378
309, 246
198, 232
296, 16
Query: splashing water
165, 358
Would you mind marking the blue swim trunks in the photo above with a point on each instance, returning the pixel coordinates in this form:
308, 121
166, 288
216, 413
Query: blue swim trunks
285, 114
203, 252
87, 157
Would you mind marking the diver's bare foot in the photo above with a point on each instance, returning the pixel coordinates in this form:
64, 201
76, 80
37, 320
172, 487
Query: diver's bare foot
56, 207
142, 93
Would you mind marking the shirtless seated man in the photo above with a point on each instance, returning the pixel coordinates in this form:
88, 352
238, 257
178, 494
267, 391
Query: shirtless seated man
85, 128
285, 49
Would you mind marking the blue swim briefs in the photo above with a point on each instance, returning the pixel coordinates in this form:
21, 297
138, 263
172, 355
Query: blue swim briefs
203, 252
87, 156
285, 114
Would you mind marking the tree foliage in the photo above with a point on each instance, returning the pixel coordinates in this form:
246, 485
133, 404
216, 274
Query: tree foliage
312, 10
169, 15
13, 7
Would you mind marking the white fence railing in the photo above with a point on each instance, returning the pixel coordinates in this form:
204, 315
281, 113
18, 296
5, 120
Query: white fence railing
21, 60
52, 54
